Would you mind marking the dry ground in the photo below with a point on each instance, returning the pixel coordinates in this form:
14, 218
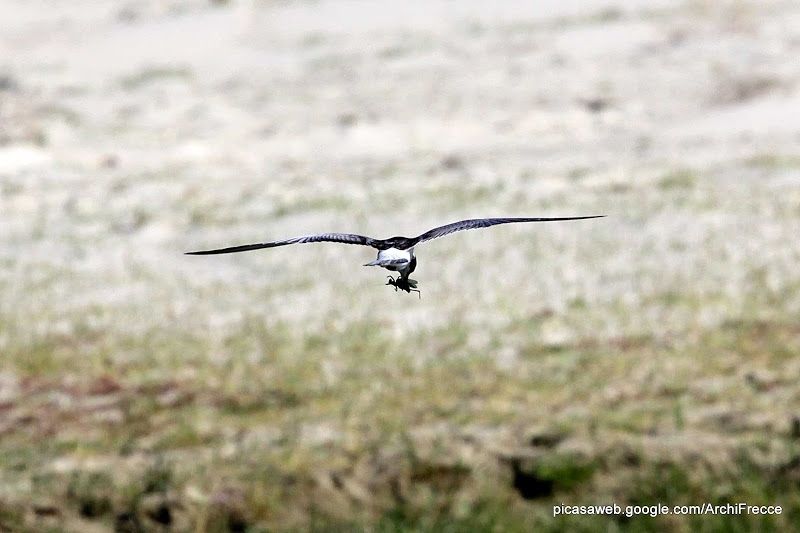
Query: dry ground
648, 357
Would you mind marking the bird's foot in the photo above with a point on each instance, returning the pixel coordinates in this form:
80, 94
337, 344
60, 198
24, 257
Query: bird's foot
404, 284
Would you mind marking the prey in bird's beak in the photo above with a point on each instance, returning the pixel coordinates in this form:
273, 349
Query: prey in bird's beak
406, 284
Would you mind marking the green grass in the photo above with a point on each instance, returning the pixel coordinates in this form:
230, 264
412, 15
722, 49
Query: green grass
773, 162
677, 179
359, 450
264, 493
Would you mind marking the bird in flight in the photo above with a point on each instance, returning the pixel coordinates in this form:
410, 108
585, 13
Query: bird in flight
395, 254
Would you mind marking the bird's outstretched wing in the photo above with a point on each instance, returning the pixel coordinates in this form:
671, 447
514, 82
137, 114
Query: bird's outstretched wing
474, 223
345, 238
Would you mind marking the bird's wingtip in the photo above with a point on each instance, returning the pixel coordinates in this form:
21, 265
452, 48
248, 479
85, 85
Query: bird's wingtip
202, 252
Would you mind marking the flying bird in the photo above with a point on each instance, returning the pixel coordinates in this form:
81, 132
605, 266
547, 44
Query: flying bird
395, 254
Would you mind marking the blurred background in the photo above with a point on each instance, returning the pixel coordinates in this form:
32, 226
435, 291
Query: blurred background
650, 357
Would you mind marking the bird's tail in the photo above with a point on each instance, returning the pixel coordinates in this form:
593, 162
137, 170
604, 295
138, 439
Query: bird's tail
387, 262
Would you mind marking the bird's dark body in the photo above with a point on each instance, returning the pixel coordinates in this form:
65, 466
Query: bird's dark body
401, 243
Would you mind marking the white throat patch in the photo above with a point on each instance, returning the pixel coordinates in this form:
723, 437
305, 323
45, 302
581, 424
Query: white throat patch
393, 253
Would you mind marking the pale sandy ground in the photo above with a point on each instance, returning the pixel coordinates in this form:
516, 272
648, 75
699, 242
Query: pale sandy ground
133, 131
260, 120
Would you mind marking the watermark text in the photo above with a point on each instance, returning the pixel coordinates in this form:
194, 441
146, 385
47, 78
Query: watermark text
659, 509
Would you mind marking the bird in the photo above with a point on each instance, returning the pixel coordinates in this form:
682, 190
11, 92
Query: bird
395, 254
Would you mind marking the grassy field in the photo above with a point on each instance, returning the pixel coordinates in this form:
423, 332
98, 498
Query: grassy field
266, 430
646, 358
